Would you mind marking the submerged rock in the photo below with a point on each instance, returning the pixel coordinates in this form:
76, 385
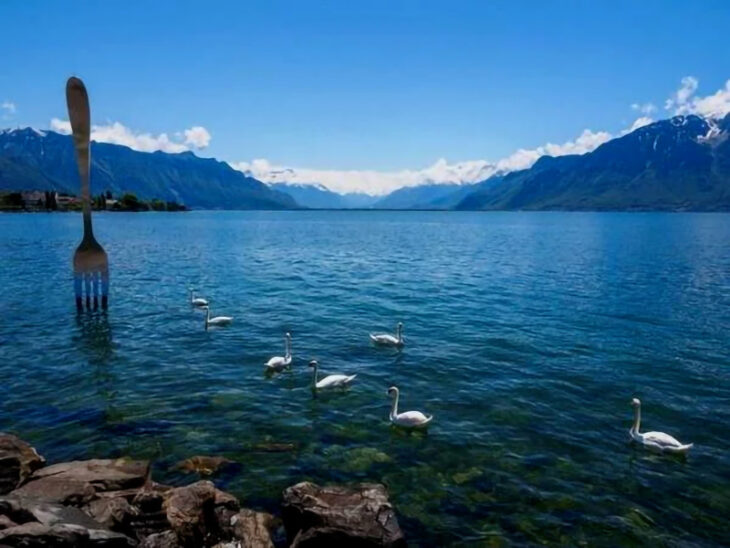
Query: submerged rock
205, 466
274, 447
359, 516
18, 460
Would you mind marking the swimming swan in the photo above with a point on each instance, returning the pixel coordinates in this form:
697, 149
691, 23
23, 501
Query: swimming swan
196, 301
387, 339
409, 419
330, 381
656, 441
217, 321
279, 363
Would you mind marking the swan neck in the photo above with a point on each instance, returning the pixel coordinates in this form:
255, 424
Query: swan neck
394, 409
314, 376
637, 420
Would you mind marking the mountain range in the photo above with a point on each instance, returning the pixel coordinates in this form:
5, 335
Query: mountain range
44, 160
672, 165
678, 164
426, 196
316, 196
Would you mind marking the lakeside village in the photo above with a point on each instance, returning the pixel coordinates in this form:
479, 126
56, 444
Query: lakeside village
51, 200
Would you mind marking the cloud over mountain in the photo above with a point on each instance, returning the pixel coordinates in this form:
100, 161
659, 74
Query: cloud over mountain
380, 183
196, 137
684, 101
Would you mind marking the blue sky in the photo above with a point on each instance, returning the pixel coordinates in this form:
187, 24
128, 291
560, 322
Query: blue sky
376, 86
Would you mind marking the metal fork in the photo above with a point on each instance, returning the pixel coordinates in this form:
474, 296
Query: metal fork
91, 266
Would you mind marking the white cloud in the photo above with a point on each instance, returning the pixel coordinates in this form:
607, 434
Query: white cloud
641, 121
196, 137
382, 182
8, 106
586, 142
679, 98
61, 126
368, 181
646, 108
684, 101
716, 105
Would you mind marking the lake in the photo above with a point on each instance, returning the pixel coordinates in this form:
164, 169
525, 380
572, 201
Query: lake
527, 335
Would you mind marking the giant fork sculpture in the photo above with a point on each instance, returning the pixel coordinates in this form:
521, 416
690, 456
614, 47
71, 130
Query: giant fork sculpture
91, 266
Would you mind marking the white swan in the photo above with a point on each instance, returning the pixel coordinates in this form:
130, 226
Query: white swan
330, 381
278, 363
196, 301
387, 339
216, 321
409, 419
657, 441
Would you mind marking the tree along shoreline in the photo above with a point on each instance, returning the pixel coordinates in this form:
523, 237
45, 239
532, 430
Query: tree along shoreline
45, 201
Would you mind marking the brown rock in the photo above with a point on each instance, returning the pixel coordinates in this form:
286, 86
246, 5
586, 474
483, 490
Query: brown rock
6, 523
37, 535
165, 539
48, 524
199, 514
77, 483
253, 529
359, 516
191, 513
61, 490
136, 512
102, 474
23, 510
152, 517
114, 513
18, 460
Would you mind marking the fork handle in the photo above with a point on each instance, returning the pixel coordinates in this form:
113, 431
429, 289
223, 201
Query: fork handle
77, 101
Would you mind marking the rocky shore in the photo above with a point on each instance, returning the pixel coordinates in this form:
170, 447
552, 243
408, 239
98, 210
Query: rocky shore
114, 503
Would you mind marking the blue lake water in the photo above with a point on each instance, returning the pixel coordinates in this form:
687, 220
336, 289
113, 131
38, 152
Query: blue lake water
527, 336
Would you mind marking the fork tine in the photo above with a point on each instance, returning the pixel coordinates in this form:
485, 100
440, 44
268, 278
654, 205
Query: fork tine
87, 289
95, 288
78, 277
104, 289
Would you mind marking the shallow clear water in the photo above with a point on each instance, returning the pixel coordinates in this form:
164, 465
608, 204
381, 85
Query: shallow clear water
527, 336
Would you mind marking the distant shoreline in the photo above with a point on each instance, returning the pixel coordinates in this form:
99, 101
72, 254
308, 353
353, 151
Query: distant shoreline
371, 210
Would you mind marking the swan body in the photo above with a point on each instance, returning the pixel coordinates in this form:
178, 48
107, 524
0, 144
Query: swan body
196, 301
656, 441
330, 381
217, 320
279, 363
386, 339
408, 419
